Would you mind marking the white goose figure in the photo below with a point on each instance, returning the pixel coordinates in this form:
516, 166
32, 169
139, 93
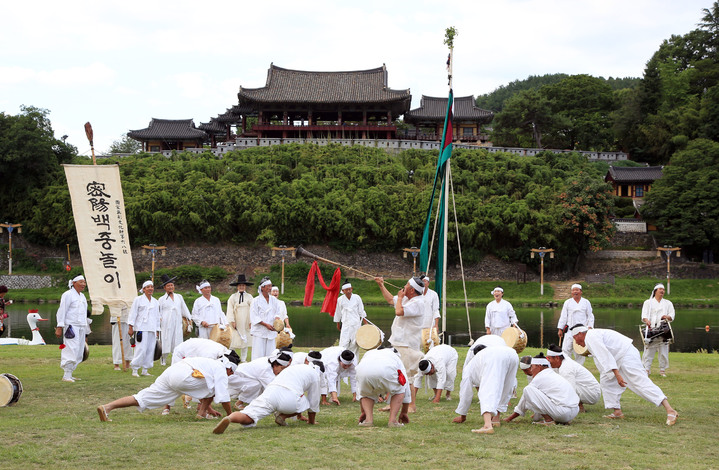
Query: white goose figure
32, 318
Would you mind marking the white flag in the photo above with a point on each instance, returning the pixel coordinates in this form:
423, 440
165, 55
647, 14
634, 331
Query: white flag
102, 233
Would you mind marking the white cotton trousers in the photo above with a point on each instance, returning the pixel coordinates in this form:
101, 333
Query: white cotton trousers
348, 336
116, 353
71, 354
375, 379
631, 369
174, 381
499, 381
568, 348
262, 347
410, 359
589, 395
144, 351
244, 389
276, 398
537, 401
650, 351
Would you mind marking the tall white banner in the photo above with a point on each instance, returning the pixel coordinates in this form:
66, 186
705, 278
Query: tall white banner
99, 211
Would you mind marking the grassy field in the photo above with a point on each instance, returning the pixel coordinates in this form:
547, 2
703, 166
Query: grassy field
685, 292
55, 425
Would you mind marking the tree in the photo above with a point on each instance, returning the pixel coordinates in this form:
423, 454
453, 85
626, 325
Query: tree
587, 204
125, 145
683, 203
30, 158
525, 118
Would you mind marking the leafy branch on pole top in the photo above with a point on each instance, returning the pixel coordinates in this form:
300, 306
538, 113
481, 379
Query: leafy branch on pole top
449, 35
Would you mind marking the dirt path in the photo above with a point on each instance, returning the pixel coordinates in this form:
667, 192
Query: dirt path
563, 289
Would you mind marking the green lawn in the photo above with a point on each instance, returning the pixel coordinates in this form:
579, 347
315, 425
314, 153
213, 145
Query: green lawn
55, 425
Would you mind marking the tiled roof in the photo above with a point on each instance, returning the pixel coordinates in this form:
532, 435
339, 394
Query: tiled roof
433, 109
169, 129
298, 86
639, 174
213, 127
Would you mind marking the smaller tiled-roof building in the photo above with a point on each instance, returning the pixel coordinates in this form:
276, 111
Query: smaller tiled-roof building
632, 182
169, 134
467, 119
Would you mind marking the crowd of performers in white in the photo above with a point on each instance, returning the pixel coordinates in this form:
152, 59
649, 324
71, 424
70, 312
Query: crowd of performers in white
284, 384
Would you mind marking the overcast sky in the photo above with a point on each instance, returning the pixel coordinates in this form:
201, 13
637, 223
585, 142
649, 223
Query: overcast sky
118, 64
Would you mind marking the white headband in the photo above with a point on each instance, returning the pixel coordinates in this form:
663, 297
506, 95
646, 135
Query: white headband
282, 362
427, 369
579, 329
228, 363
79, 277
416, 286
540, 361
342, 360
497, 289
425, 278
524, 366
202, 286
578, 286
554, 353
275, 288
145, 284
347, 286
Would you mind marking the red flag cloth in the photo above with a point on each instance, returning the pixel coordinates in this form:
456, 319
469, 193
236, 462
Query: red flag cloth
333, 290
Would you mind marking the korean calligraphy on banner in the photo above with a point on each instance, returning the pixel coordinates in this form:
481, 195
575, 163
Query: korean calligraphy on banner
99, 211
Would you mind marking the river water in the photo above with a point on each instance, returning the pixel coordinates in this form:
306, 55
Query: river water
315, 329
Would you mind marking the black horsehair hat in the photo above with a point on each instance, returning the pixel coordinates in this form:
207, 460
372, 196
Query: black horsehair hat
241, 280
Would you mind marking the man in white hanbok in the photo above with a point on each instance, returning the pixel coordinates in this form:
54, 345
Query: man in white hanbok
72, 327
576, 310
293, 391
620, 367
144, 321
410, 311
339, 364
263, 312
499, 314
439, 365
349, 316
251, 378
207, 311
199, 377
493, 370
238, 316
654, 311
172, 310
549, 395
583, 382
380, 372
486, 341
281, 307
431, 319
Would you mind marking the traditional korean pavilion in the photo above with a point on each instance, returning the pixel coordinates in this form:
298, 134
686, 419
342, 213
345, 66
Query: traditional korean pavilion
632, 182
336, 105
169, 134
467, 118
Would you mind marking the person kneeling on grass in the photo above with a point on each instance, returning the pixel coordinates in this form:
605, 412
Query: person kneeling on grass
293, 391
199, 377
549, 394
